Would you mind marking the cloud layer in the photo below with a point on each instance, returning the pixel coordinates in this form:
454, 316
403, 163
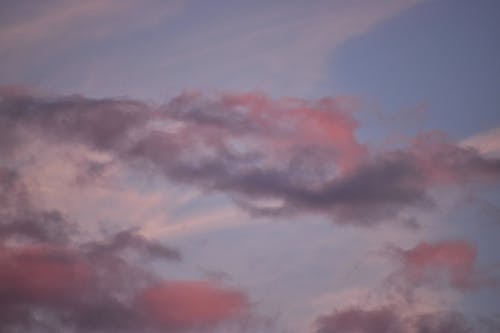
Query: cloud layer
282, 158
273, 157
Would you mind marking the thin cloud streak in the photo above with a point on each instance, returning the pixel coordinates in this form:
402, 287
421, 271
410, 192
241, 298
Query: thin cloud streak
61, 19
265, 47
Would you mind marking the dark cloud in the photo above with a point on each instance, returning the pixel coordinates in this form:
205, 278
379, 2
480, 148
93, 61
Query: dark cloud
442, 322
301, 154
131, 240
20, 218
101, 124
356, 320
391, 320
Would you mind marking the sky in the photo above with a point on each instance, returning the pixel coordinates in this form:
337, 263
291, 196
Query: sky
194, 166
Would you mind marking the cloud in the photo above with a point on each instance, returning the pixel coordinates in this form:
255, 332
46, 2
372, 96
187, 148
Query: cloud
181, 305
302, 156
265, 47
131, 240
487, 142
94, 19
55, 287
72, 288
41, 273
21, 219
444, 162
441, 323
390, 320
440, 264
67, 288
380, 320
457, 258
452, 262
52, 281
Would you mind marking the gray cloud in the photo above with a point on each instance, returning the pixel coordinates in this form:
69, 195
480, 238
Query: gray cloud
130, 240
301, 154
20, 218
51, 282
390, 320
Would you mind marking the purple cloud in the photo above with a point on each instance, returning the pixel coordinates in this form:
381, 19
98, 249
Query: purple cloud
302, 154
390, 320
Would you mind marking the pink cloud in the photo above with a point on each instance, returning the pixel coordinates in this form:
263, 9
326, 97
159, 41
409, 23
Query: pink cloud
446, 163
453, 262
301, 154
96, 291
180, 305
293, 121
487, 142
42, 274
51, 279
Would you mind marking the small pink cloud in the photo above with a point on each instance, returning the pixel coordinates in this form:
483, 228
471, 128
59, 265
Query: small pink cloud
452, 262
42, 274
180, 305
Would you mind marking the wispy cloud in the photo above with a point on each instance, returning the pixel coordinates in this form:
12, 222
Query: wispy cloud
487, 142
89, 19
280, 49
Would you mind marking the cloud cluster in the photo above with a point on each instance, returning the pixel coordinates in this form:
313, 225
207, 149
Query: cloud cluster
66, 289
52, 281
450, 263
273, 157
